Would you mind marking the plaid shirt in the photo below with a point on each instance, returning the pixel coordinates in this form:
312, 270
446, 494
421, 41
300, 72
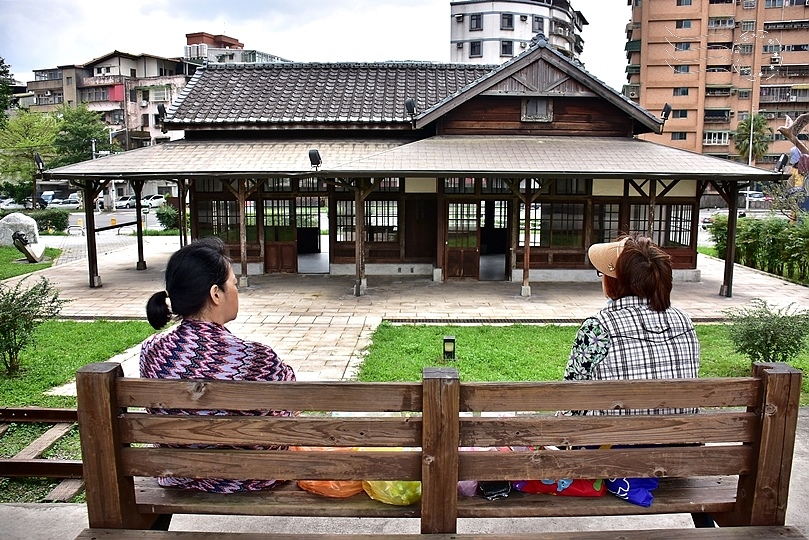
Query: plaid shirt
628, 340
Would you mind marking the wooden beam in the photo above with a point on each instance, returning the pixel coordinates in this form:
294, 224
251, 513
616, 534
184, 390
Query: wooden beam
730, 250
137, 185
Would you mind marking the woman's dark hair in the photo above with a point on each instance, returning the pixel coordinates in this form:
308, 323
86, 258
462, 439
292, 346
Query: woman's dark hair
190, 274
644, 270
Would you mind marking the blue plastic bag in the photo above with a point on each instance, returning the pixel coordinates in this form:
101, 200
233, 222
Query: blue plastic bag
635, 490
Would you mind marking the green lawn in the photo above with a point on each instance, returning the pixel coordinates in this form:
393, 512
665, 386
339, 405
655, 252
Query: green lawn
11, 267
521, 353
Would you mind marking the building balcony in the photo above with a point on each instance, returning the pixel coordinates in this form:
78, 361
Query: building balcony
105, 80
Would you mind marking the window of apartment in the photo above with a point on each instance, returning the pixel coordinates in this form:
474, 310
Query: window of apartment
683, 23
133, 72
720, 46
682, 69
98, 71
773, 3
745, 70
748, 26
98, 93
721, 22
506, 21
683, 46
475, 49
537, 110
69, 81
161, 93
715, 138
772, 48
144, 95
117, 116
678, 135
680, 91
744, 94
722, 1
679, 113
803, 47
506, 48
747, 48
683, 2
538, 25
749, 4
476, 21
718, 69
144, 120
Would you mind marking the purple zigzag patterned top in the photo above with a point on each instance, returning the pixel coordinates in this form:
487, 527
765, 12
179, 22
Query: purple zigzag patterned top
207, 350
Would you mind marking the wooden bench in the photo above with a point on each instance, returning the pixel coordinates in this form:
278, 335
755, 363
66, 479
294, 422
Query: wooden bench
733, 460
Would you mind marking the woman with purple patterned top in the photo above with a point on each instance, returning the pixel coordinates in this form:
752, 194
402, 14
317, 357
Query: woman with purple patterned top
201, 289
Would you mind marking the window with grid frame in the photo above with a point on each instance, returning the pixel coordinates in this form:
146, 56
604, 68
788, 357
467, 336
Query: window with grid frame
680, 91
672, 223
382, 221
476, 21
507, 21
682, 69
346, 225
161, 93
459, 185
311, 184
538, 25
307, 212
219, 218
683, 23
389, 185
278, 220
682, 46
606, 222
277, 185
506, 48
475, 49
554, 225
462, 225
494, 185
500, 219
748, 26
715, 138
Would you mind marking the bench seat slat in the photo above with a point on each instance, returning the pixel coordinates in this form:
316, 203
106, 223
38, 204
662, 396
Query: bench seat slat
286, 500
599, 430
674, 496
272, 395
735, 533
610, 463
269, 464
608, 395
269, 430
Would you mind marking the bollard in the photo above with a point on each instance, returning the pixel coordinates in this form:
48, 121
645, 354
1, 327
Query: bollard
113, 222
80, 223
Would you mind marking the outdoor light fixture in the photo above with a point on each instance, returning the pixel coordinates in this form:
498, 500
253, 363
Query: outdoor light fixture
410, 107
39, 162
666, 112
781, 163
314, 158
449, 347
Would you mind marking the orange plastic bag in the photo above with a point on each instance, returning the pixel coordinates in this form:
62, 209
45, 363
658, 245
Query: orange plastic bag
329, 488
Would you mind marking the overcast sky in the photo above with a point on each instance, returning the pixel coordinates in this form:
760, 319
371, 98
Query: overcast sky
42, 34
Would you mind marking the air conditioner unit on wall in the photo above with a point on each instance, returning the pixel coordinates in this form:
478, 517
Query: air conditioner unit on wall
732, 113
633, 94
144, 103
459, 45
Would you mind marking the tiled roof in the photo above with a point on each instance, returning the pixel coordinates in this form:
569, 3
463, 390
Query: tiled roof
221, 157
592, 157
598, 157
313, 93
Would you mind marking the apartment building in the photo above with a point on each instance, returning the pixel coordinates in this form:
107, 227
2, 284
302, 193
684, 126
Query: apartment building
716, 62
492, 32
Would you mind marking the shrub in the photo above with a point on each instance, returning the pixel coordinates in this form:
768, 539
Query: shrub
168, 216
55, 219
765, 334
21, 311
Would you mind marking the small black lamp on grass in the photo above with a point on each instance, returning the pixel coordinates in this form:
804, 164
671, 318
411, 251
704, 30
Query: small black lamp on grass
449, 348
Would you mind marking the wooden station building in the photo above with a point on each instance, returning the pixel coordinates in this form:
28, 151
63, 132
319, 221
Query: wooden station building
422, 168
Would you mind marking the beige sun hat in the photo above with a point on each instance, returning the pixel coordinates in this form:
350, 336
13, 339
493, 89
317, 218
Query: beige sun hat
605, 256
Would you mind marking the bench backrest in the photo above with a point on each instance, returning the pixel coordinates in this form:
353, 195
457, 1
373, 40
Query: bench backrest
746, 428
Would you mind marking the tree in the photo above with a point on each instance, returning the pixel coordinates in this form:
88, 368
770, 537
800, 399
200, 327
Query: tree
6, 82
78, 127
24, 135
21, 311
762, 137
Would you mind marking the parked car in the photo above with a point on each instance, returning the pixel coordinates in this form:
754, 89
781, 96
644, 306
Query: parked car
11, 204
753, 195
152, 201
42, 204
65, 204
127, 201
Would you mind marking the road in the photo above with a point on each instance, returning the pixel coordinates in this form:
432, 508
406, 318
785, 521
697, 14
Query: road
120, 215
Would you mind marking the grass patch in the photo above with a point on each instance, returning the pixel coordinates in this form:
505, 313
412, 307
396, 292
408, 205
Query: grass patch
521, 353
63, 347
10, 267
711, 251
158, 232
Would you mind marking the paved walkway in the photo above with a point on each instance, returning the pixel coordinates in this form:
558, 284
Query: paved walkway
317, 326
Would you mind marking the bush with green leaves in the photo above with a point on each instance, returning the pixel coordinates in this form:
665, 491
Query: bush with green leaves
54, 219
768, 334
168, 216
22, 309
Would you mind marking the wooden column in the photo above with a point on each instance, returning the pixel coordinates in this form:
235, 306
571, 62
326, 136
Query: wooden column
730, 254
90, 189
526, 257
137, 185
440, 441
650, 227
242, 232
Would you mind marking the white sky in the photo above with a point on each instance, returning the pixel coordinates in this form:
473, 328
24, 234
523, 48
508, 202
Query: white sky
43, 34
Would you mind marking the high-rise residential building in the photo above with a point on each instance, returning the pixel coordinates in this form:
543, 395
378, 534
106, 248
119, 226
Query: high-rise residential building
492, 32
716, 62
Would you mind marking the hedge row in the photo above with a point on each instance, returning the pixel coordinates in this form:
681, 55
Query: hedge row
53, 219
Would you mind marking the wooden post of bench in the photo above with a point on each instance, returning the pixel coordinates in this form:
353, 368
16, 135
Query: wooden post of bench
762, 494
440, 439
110, 493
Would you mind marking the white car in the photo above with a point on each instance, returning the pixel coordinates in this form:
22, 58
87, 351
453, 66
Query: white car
11, 204
152, 201
65, 204
127, 201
